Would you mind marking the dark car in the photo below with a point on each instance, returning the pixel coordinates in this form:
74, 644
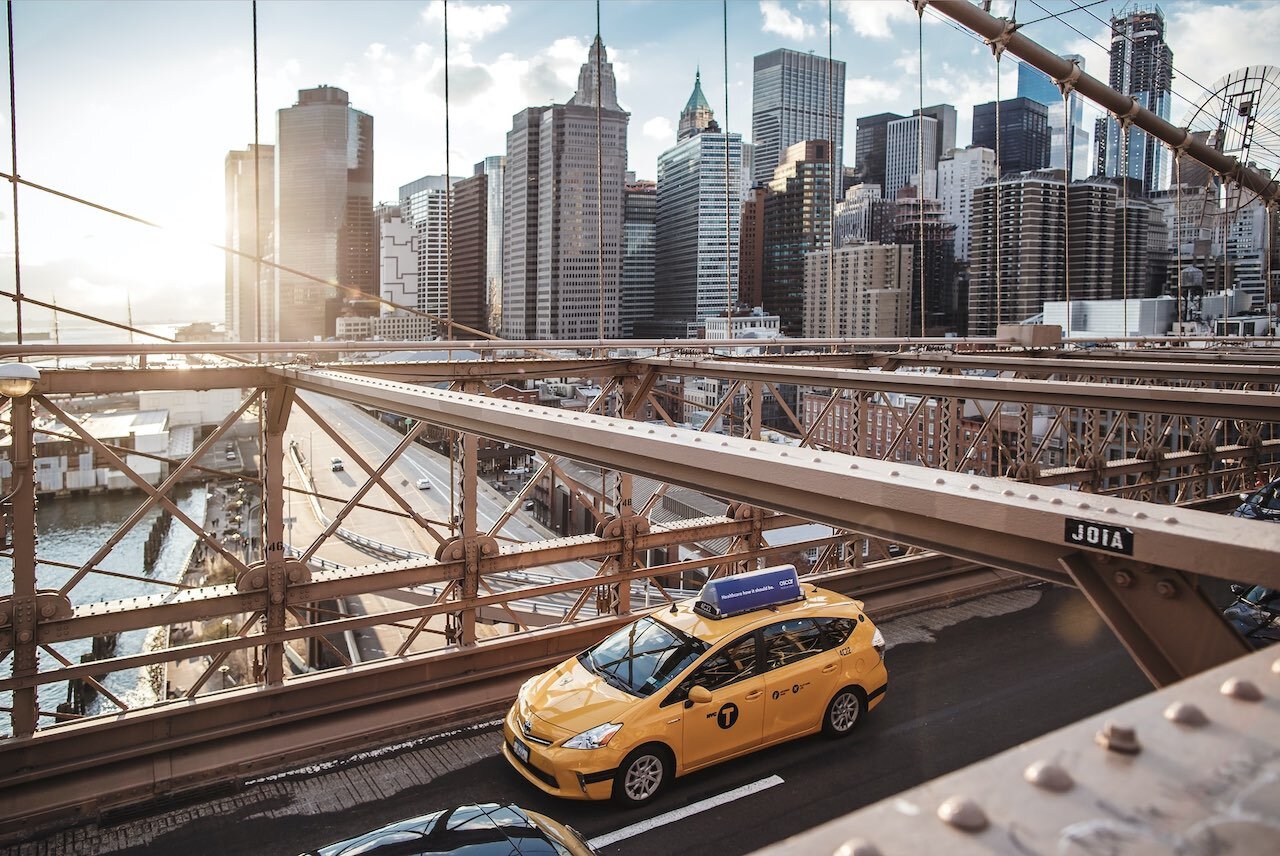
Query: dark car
1255, 614
477, 830
1262, 504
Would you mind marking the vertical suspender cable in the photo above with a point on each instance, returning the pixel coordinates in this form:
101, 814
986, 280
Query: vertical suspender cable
599, 185
1124, 228
257, 196
728, 197
1066, 199
13, 142
1177, 224
832, 184
999, 306
920, 157
448, 191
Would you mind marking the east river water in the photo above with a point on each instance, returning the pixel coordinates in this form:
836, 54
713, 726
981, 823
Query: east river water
70, 530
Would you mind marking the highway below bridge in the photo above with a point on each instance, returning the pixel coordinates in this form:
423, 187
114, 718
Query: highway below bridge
965, 683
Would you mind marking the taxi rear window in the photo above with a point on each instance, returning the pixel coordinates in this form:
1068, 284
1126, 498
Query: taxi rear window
642, 657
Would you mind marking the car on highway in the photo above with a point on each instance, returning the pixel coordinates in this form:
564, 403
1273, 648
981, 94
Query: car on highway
754, 660
424, 484
1262, 504
335, 464
487, 829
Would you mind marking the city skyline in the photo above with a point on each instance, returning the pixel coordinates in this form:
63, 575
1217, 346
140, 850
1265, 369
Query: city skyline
88, 98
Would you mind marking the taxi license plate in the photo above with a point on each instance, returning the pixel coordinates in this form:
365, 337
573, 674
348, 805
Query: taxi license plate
521, 750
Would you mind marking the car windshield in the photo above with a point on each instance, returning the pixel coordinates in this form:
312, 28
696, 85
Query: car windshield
642, 657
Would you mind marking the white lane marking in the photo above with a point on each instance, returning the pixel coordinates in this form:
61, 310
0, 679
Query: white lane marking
681, 813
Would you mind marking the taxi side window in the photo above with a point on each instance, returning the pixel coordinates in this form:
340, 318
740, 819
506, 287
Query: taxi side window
791, 641
732, 663
835, 631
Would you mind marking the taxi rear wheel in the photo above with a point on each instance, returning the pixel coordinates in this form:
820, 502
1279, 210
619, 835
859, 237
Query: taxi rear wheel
641, 775
844, 712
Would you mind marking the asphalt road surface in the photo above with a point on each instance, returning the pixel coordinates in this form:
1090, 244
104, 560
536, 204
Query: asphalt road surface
964, 683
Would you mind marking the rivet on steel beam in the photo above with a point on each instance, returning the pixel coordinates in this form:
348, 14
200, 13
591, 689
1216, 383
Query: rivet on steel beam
857, 847
963, 813
1006, 492
893, 473
1083, 506
1110, 509
47, 610
817, 459
1185, 713
24, 636
1049, 776
939, 481
975, 486
697, 439
1031, 497
853, 466
1123, 579
1139, 515
1171, 520
1119, 738
1241, 690
1057, 500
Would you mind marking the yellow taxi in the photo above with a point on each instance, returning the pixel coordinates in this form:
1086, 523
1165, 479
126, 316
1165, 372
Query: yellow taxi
754, 660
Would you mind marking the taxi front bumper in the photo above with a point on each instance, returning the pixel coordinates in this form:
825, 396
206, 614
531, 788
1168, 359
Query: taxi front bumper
576, 774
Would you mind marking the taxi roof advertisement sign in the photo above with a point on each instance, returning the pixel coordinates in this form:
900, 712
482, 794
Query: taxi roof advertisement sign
735, 595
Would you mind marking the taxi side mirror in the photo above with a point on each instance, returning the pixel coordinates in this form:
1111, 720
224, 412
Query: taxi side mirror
699, 695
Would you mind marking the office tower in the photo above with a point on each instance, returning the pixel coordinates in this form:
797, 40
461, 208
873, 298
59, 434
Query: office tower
1245, 244
920, 224
639, 236
794, 97
324, 211
945, 116
398, 265
520, 224
797, 221
861, 291
493, 167
902, 151
1024, 133
424, 205
870, 148
469, 254
864, 216
697, 113
751, 249
247, 281
561, 277
1068, 136
697, 226
1141, 66
959, 173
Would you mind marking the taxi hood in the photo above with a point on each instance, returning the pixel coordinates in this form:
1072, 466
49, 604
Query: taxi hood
571, 699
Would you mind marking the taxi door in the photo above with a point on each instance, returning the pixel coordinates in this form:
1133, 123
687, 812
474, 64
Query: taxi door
801, 672
733, 721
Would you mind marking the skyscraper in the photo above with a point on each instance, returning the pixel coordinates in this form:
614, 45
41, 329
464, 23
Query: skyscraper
1068, 136
324, 211
945, 129
870, 148
424, 205
795, 97
398, 259
902, 151
561, 277
1023, 133
697, 226
493, 167
862, 291
1141, 66
959, 174
697, 113
246, 294
797, 221
639, 234
468, 253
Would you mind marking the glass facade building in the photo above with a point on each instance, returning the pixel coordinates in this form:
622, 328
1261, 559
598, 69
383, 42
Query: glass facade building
795, 97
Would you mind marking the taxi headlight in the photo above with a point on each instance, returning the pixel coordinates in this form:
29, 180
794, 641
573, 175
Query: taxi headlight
877, 642
593, 738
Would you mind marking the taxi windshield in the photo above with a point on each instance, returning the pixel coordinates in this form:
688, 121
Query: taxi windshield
642, 657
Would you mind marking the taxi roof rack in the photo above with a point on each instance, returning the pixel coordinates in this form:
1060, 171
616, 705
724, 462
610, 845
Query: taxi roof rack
734, 595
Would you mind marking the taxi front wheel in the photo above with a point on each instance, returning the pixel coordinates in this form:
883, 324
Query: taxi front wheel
641, 775
844, 712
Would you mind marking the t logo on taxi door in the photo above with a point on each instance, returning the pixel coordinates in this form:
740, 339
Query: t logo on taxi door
727, 715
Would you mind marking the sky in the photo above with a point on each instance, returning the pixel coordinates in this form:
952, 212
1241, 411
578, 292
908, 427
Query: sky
134, 105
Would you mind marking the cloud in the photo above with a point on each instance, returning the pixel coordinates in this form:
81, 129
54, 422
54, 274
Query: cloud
783, 22
862, 90
469, 23
874, 20
659, 128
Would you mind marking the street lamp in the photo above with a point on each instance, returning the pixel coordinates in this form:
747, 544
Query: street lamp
17, 379
226, 627
224, 670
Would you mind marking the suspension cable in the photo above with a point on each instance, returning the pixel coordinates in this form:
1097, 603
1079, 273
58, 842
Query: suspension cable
1124, 221
920, 158
832, 326
448, 191
999, 169
1177, 224
728, 203
1067, 157
600, 188
257, 198
13, 142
